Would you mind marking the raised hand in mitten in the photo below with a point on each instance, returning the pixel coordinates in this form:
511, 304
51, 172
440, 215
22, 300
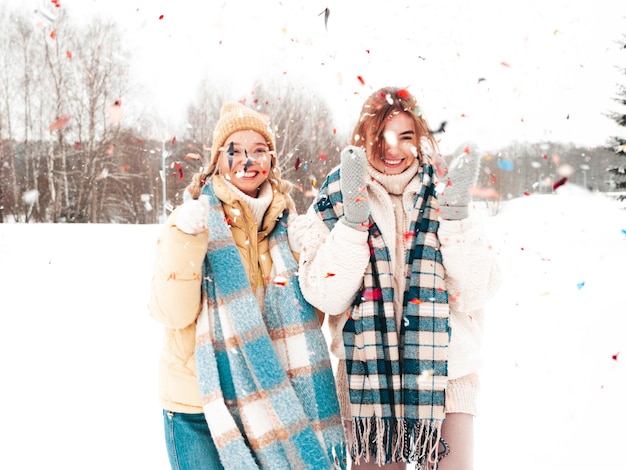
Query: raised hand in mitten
192, 215
454, 193
356, 205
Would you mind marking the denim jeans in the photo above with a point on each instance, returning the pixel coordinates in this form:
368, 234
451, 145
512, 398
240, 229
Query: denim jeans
189, 442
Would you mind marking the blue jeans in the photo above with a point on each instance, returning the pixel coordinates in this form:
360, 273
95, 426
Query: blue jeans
189, 442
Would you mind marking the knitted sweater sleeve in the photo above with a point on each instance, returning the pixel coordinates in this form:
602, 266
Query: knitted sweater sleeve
472, 277
176, 281
332, 264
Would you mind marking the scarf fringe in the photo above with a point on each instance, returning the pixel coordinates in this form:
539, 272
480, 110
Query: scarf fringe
387, 440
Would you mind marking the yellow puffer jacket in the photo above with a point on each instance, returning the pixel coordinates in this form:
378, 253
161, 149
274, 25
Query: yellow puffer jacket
176, 289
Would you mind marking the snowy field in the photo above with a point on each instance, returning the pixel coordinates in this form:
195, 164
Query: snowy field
79, 350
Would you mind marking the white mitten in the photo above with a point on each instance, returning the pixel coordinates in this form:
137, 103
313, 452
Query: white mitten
356, 205
454, 192
296, 229
192, 215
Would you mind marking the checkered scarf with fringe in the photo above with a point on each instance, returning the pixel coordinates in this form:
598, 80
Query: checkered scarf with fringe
265, 379
397, 374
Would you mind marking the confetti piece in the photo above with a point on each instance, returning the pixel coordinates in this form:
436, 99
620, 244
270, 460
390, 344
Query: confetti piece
580, 285
193, 156
280, 281
371, 293
506, 165
178, 166
68, 54
559, 183
360, 79
614, 356
60, 123
403, 93
415, 301
329, 274
115, 112
426, 375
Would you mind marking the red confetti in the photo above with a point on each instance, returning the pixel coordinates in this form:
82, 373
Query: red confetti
53, 34
161, 17
56, 3
322, 156
280, 281
415, 301
614, 356
403, 93
360, 79
125, 168
372, 293
559, 183
329, 274
68, 54
178, 166
505, 64
297, 164
59, 123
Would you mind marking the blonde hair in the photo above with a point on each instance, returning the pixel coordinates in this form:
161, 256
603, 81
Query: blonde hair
381, 106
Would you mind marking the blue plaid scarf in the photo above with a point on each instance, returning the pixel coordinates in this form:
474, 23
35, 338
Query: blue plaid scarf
265, 378
397, 374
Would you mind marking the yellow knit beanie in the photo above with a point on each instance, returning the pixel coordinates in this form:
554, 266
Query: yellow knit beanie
237, 117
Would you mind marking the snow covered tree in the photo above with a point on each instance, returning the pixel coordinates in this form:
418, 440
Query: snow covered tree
618, 172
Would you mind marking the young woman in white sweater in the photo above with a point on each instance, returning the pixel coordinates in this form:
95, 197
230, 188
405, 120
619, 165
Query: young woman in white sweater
392, 255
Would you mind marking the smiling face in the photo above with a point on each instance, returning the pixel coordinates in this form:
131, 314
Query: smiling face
245, 161
398, 150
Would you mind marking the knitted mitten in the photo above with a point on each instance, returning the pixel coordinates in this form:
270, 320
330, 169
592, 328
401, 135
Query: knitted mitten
356, 205
192, 215
462, 175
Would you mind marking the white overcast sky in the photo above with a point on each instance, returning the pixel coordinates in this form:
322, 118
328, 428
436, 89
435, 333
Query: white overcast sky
495, 70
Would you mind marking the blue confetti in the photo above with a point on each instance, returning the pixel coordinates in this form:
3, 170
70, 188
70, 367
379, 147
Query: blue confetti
580, 285
506, 165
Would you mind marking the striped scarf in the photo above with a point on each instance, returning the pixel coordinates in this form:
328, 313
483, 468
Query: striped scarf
397, 374
265, 378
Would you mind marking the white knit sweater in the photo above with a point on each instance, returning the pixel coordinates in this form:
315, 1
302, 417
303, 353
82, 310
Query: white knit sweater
332, 266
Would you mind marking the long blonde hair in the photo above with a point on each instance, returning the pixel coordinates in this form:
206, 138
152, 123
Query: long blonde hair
379, 107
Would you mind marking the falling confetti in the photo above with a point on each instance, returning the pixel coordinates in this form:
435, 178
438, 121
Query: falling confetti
193, 156
115, 112
280, 281
60, 123
442, 128
361, 80
326, 14
614, 356
329, 274
560, 183
403, 93
371, 293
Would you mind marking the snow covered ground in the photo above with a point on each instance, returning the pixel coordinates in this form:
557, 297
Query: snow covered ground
78, 350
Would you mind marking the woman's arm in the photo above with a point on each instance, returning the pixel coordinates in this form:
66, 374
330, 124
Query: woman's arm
176, 282
332, 264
